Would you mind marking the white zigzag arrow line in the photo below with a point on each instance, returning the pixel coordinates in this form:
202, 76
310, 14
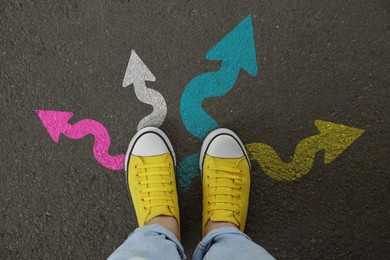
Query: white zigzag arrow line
137, 73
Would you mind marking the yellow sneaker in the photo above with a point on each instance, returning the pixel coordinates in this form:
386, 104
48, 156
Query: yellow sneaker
225, 168
150, 175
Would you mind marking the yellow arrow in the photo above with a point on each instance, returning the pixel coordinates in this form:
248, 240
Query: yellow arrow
333, 139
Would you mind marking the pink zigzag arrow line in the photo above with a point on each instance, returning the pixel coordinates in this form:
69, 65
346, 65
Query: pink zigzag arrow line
56, 123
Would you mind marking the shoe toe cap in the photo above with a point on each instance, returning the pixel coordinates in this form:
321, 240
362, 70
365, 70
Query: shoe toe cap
149, 144
225, 146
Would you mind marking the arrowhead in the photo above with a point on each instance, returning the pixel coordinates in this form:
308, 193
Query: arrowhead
237, 47
54, 121
336, 138
136, 71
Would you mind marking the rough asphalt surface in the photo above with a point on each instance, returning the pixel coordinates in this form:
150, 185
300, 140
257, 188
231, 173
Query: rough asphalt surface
325, 60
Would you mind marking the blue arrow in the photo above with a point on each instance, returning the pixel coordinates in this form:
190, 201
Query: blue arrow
236, 50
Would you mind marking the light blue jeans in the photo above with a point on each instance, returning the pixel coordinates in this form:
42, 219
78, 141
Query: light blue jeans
156, 242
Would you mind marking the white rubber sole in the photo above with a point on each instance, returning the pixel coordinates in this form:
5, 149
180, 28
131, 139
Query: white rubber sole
210, 137
149, 130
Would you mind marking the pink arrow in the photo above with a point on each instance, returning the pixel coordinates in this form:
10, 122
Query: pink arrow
56, 123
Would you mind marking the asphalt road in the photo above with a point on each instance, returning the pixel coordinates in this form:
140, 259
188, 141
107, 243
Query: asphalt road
325, 60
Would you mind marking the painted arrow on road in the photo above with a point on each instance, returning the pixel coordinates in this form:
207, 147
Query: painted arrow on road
236, 51
56, 123
137, 74
333, 139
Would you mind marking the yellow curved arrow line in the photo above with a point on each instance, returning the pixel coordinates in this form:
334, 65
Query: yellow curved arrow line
333, 139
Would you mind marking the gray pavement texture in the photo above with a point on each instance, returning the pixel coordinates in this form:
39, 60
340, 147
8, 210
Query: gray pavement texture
317, 59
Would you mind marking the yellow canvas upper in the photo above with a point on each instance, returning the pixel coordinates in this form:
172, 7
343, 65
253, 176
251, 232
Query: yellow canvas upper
152, 185
226, 185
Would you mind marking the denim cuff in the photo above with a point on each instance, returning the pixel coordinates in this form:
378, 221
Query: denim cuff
156, 228
207, 241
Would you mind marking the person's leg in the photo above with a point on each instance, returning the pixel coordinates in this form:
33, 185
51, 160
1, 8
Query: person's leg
150, 242
225, 168
229, 243
150, 177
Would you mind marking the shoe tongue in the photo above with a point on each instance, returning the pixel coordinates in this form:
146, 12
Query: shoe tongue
159, 210
224, 215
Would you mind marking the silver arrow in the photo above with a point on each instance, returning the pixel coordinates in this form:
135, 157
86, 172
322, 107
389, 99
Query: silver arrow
137, 74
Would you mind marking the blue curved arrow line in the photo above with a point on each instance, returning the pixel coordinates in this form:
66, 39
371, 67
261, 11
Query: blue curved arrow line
207, 85
236, 51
